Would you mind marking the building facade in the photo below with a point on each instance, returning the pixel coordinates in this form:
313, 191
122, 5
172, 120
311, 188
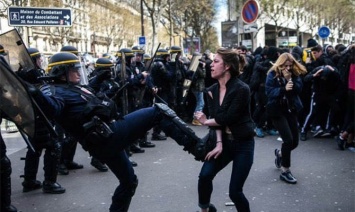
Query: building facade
284, 26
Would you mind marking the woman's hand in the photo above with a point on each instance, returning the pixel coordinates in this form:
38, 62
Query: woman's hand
287, 74
289, 86
201, 117
215, 152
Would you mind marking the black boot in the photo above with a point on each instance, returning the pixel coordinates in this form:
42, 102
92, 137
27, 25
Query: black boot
178, 130
73, 165
143, 142
30, 185
136, 149
6, 185
98, 165
158, 137
62, 169
52, 187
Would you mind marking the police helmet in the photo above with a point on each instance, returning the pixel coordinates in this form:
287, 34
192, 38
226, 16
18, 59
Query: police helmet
61, 62
103, 63
126, 51
104, 66
34, 53
162, 52
70, 49
147, 57
175, 49
137, 50
106, 55
2, 50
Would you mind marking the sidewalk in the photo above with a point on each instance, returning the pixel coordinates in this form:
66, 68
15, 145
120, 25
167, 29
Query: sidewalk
13, 140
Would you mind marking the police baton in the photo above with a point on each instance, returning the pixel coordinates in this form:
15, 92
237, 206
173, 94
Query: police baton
119, 90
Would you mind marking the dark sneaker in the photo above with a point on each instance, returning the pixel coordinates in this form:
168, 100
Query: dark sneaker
52, 188
73, 165
259, 132
341, 143
158, 137
326, 134
278, 158
288, 177
146, 144
303, 136
272, 132
98, 165
30, 185
318, 133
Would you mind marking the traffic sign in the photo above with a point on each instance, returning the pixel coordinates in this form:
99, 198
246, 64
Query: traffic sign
141, 40
250, 11
39, 16
324, 32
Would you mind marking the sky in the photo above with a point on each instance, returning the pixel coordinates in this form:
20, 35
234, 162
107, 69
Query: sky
221, 6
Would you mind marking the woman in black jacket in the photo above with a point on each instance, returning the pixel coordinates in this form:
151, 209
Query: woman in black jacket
229, 108
283, 86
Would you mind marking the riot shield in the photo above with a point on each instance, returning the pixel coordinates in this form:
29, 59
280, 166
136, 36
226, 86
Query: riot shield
195, 61
123, 73
18, 55
84, 72
15, 101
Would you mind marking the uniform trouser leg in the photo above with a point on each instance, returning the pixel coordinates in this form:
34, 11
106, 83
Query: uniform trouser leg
51, 161
31, 164
120, 165
132, 127
68, 150
5, 182
126, 131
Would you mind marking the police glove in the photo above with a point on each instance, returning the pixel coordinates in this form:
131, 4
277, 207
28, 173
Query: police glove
32, 90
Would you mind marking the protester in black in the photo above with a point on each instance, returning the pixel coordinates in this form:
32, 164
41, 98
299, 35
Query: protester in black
283, 86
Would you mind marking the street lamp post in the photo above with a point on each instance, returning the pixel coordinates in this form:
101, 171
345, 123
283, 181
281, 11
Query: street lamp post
142, 18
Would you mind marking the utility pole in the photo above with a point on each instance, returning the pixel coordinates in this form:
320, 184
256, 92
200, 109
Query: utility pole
142, 18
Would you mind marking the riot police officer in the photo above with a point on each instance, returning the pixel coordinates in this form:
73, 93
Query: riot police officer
103, 83
136, 82
42, 140
180, 72
94, 121
139, 67
5, 167
5, 176
163, 78
68, 143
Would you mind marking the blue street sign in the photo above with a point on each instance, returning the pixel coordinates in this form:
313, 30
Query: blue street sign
39, 16
324, 32
141, 40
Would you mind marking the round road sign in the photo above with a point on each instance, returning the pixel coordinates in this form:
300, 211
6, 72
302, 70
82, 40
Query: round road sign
250, 11
324, 32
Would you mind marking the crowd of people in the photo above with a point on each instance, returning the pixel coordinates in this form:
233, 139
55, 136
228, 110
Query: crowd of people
238, 94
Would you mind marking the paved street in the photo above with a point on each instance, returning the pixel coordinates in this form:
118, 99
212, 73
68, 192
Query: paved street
168, 181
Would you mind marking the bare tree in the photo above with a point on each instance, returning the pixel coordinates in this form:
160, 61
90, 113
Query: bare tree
155, 10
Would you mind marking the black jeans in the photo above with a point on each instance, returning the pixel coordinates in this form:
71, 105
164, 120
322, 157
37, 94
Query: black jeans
242, 155
287, 125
